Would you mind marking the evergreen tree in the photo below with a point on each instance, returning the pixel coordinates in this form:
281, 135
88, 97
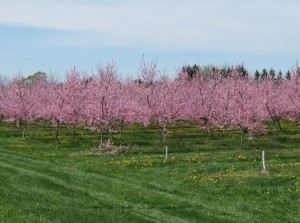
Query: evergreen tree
272, 74
278, 79
256, 75
242, 70
288, 75
264, 74
279, 75
192, 71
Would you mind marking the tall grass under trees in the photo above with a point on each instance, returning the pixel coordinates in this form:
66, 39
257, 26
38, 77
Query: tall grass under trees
92, 148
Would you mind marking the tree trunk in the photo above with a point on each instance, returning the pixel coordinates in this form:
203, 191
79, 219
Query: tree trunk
166, 155
24, 129
111, 133
241, 144
101, 139
222, 137
121, 128
279, 125
212, 134
73, 131
56, 131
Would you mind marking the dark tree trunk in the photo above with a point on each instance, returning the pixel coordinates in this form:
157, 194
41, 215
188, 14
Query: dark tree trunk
211, 134
101, 138
279, 124
222, 137
121, 128
56, 131
24, 129
241, 143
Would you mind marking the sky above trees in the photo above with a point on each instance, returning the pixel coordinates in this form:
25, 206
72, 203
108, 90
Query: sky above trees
56, 35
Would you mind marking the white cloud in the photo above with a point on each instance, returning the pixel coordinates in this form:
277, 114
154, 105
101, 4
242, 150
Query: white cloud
228, 24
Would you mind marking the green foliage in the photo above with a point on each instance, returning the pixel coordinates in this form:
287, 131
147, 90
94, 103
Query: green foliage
288, 75
256, 75
264, 74
202, 181
272, 73
192, 71
36, 76
209, 71
242, 70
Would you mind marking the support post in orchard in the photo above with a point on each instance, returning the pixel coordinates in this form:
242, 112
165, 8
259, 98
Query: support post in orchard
264, 170
166, 156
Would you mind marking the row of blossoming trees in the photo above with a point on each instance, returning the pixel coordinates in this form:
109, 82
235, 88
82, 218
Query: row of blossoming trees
103, 100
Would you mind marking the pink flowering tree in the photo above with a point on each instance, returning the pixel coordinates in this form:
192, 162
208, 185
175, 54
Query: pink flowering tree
42, 95
103, 99
129, 107
291, 90
75, 88
201, 103
221, 108
57, 104
168, 104
246, 109
66, 102
3, 99
159, 99
20, 102
274, 100
145, 91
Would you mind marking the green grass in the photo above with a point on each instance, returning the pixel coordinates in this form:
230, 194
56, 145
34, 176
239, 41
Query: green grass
202, 180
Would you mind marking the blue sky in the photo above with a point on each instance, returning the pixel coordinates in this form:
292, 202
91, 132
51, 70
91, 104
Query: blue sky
55, 35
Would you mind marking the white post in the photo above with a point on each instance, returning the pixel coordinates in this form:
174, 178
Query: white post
264, 170
263, 160
166, 156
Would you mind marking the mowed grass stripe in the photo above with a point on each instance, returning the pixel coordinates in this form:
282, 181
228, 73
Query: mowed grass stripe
145, 196
104, 198
130, 180
95, 178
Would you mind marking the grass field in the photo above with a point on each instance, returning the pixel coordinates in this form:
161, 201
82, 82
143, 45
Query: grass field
201, 181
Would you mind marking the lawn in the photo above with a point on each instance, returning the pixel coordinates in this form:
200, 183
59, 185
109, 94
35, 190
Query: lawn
201, 181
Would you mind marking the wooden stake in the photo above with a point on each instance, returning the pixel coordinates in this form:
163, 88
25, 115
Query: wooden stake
264, 170
263, 160
166, 156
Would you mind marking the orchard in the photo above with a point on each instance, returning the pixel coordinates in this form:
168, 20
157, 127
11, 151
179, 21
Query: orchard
208, 145
104, 102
